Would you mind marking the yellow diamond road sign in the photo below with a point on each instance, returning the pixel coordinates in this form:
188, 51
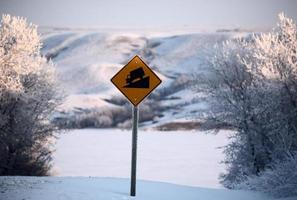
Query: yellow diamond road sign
136, 80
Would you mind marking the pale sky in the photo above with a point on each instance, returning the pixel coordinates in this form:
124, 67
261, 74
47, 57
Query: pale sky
205, 14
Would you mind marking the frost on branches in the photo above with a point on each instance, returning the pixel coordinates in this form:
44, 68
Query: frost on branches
254, 90
27, 98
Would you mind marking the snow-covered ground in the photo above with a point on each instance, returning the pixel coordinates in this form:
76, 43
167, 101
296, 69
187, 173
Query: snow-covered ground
83, 188
171, 166
187, 158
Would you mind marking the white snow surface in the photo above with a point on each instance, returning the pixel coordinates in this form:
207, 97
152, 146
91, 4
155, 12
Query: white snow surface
83, 188
94, 164
182, 157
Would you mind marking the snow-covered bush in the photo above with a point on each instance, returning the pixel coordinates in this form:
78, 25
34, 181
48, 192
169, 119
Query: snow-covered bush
279, 181
232, 98
27, 98
254, 90
107, 117
97, 118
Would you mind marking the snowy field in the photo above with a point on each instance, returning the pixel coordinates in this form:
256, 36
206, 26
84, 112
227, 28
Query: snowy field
95, 165
82, 188
188, 158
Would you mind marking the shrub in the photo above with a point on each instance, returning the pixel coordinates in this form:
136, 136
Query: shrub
28, 97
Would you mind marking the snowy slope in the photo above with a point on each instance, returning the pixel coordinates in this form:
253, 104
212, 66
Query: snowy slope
86, 61
53, 188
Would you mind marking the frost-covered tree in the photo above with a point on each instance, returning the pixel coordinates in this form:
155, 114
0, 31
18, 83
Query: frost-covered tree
232, 102
254, 90
280, 180
28, 96
275, 63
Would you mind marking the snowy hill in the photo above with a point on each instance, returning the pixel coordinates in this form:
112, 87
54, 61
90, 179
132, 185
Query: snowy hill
86, 60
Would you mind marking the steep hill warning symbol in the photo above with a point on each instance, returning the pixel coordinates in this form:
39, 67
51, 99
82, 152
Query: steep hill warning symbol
137, 79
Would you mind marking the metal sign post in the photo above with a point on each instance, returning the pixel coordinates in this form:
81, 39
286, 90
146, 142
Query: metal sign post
136, 81
134, 151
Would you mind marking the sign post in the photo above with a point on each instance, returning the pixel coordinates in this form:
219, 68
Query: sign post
134, 151
136, 81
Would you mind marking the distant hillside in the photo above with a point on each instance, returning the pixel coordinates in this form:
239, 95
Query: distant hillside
87, 59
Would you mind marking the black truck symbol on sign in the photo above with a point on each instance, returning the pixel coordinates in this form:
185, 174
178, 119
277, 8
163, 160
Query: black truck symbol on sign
137, 79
